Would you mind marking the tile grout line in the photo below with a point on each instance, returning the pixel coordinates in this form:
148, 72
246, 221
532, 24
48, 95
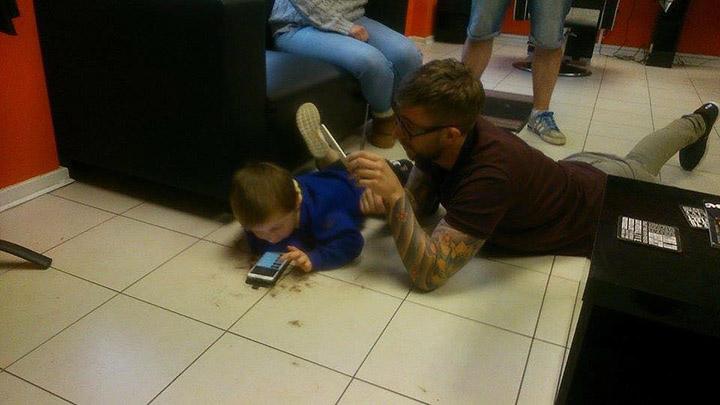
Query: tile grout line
374, 344
471, 319
188, 366
532, 340
61, 331
597, 96
387, 389
103, 303
161, 264
35, 385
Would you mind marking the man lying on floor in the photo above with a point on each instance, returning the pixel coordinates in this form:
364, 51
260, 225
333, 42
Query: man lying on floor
494, 186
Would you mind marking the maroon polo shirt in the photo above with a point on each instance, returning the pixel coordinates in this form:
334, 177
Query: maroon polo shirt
505, 191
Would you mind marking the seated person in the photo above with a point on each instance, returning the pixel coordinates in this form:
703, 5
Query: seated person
493, 185
315, 217
338, 32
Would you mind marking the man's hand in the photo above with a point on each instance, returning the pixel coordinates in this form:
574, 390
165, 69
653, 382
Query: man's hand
371, 203
359, 32
372, 171
298, 258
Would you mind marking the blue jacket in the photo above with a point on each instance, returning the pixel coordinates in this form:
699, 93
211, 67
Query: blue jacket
330, 221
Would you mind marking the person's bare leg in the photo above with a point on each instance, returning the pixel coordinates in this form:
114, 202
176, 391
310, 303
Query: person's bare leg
545, 69
476, 55
331, 157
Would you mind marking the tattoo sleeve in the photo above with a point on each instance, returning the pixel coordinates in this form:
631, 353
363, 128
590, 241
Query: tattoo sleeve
429, 260
422, 194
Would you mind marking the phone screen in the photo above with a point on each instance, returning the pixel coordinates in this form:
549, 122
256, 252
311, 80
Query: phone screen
264, 271
268, 265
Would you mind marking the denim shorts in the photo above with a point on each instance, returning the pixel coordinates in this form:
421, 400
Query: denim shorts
547, 18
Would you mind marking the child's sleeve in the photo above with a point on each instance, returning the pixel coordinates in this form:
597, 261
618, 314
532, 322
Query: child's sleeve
339, 241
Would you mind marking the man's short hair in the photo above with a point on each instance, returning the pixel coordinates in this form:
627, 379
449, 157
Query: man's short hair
447, 89
260, 190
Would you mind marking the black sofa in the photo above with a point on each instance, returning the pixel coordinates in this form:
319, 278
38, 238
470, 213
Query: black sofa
183, 92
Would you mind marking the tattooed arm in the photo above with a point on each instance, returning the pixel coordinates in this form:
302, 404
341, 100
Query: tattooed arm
421, 192
430, 260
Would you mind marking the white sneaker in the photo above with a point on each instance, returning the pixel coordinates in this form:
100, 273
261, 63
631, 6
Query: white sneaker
544, 125
307, 119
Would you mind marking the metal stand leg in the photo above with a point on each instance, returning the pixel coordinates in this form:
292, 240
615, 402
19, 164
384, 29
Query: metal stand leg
25, 253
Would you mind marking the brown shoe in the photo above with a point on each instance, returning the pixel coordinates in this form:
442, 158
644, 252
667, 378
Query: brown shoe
382, 132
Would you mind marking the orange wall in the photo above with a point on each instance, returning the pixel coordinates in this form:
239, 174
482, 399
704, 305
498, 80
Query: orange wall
633, 26
27, 141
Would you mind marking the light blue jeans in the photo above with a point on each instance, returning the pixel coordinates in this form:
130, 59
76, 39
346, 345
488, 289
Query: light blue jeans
547, 18
378, 64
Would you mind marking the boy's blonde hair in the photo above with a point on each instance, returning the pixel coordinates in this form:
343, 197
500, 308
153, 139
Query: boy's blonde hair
260, 190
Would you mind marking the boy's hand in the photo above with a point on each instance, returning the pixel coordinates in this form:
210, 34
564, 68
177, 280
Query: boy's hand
372, 171
298, 258
371, 203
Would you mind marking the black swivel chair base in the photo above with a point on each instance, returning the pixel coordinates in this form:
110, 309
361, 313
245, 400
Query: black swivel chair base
25, 253
566, 69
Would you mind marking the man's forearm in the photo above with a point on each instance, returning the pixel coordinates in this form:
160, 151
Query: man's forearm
429, 260
414, 246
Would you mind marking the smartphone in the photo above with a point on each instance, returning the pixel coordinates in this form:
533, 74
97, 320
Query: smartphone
267, 270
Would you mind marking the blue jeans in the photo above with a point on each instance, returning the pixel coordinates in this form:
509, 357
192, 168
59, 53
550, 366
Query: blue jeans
547, 18
378, 64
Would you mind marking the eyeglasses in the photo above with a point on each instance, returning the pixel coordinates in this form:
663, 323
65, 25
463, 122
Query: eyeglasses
415, 134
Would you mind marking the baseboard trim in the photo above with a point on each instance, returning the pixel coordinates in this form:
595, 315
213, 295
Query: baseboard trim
423, 40
17, 194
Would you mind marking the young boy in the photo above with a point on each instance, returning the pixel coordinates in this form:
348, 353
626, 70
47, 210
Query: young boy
315, 217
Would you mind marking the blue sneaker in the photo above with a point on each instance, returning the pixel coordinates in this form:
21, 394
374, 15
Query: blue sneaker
544, 125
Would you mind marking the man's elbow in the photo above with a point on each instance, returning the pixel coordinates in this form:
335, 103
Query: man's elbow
428, 284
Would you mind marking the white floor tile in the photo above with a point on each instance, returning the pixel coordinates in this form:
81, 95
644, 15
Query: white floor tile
571, 267
205, 282
696, 180
440, 358
628, 93
119, 252
237, 370
15, 391
98, 197
230, 235
47, 221
191, 218
123, 352
321, 319
623, 106
542, 374
557, 310
362, 393
379, 266
673, 98
542, 264
495, 293
603, 144
37, 304
618, 131
625, 117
